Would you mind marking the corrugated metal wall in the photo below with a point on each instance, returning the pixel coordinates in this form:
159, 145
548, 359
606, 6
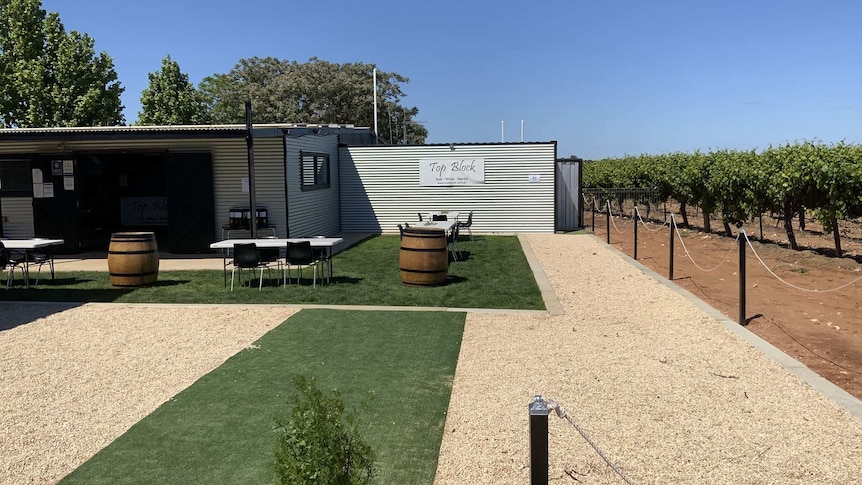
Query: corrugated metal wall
230, 165
568, 195
312, 212
19, 217
380, 187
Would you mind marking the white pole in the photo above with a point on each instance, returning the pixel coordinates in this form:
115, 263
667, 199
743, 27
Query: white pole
374, 76
522, 131
502, 132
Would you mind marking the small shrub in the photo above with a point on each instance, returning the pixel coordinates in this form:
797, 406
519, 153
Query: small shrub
320, 443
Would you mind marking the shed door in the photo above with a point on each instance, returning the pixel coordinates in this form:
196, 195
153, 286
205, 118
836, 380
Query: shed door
191, 205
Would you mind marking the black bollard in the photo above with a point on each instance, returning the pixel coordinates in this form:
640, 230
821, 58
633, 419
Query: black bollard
608, 221
538, 441
670, 258
635, 220
742, 240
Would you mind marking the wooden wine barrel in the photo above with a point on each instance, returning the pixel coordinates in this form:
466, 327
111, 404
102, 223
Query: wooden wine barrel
133, 259
423, 259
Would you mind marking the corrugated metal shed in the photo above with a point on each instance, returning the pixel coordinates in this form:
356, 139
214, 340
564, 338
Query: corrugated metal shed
380, 187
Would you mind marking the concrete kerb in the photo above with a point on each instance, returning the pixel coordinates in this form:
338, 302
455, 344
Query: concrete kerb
832, 392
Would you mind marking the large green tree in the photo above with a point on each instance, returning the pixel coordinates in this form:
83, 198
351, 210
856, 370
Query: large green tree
317, 92
171, 99
50, 77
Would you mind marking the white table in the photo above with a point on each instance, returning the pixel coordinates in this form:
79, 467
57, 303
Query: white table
271, 242
451, 215
26, 246
445, 225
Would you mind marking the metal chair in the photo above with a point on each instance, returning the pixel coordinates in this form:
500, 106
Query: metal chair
246, 256
467, 224
272, 256
299, 254
420, 216
42, 259
451, 241
8, 263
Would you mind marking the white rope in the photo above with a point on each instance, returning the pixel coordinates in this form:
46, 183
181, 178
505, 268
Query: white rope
723, 259
645, 224
561, 412
611, 217
790, 284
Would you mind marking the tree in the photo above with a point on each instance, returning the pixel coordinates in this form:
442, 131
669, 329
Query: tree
317, 92
50, 77
171, 99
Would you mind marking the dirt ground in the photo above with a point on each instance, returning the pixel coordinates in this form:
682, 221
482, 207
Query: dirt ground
807, 316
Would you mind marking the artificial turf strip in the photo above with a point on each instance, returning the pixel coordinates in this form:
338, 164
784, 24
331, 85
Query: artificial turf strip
494, 273
220, 429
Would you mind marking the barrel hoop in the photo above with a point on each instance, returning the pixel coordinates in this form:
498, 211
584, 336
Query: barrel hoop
426, 250
141, 237
443, 270
145, 251
426, 235
146, 273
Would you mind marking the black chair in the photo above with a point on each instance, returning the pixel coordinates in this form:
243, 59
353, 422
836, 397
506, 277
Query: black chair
467, 224
401, 230
451, 241
272, 256
42, 259
299, 254
439, 217
420, 216
246, 256
9, 263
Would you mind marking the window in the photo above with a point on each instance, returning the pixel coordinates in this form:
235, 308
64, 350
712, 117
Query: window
15, 178
314, 170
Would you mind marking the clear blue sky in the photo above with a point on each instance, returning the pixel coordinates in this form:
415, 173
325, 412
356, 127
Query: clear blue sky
603, 78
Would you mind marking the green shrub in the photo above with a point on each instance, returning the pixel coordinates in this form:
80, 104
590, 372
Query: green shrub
320, 444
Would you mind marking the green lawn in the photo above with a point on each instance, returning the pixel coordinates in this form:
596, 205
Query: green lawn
495, 274
220, 429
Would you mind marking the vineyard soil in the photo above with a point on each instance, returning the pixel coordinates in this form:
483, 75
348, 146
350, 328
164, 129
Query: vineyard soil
822, 329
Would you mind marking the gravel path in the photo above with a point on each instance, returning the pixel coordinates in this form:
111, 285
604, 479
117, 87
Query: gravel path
72, 379
667, 392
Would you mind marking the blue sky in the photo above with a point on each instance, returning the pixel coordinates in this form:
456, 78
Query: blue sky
602, 78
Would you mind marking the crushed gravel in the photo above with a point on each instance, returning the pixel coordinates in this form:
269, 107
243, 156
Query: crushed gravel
664, 390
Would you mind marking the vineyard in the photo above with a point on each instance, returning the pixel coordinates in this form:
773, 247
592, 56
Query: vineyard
800, 202
785, 183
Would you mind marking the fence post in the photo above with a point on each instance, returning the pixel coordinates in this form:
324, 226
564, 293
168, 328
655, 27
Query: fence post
635, 220
593, 216
670, 257
608, 220
742, 241
538, 441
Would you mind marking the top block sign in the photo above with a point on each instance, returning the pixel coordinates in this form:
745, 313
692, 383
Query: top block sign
459, 171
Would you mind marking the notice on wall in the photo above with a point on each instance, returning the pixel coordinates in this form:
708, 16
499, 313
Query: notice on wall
244, 183
460, 171
144, 211
534, 178
37, 175
68, 182
68, 167
56, 167
48, 190
38, 191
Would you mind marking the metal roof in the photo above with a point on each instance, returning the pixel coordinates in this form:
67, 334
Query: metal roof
164, 132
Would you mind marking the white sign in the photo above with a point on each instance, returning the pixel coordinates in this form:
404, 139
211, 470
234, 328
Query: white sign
534, 178
459, 171
244, 184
